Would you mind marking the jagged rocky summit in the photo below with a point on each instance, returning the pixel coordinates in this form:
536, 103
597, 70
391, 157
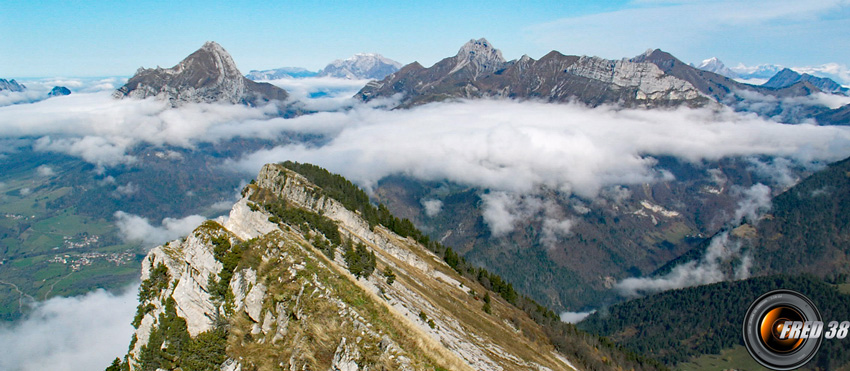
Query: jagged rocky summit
479, 70
361, 66
269, 289
11, 85
650, 80
208, 75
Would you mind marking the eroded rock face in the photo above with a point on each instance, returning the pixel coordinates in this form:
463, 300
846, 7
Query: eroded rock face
208, 75
189, 262
650, 81
289, 301
478, 71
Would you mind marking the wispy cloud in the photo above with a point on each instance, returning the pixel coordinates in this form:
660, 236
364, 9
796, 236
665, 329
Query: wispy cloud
432, 207
322, 93
139, 229
724, 259
574, 317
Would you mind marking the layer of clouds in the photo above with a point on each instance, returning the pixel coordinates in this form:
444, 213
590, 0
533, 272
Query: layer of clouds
503, 145
37, 89
139, 229
96, 150
322, 93
101, 130
75, 333
517, 147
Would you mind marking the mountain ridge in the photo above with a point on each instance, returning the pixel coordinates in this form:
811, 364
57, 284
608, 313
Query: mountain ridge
787, 77
479, 71
254, 291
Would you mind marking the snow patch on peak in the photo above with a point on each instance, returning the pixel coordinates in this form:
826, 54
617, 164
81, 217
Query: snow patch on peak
715, 65
361, 66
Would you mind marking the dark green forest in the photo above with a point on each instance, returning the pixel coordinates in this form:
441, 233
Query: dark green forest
676, 325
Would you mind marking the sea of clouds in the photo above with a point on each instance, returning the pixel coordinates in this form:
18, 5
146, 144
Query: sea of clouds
511, 148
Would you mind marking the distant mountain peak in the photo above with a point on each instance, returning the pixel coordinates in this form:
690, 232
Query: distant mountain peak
361, 66
787, 77
208, 75
211, 52
714, 64
11, 85
480, 49
653, 55
480, 55
281, 73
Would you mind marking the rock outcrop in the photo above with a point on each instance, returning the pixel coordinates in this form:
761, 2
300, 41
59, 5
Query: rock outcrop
59, 91
258, 293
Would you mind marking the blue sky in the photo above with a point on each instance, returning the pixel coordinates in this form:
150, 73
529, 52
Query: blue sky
92, 38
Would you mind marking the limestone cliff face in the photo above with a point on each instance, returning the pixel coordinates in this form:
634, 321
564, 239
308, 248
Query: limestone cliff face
260, 290
189, 263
